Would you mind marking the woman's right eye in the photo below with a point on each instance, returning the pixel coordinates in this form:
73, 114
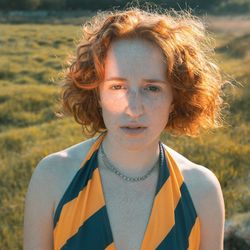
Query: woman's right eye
117, 87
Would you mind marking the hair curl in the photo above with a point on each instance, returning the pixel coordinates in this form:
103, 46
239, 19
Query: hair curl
195, 79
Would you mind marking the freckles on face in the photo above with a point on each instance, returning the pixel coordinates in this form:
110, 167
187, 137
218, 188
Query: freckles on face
134, 86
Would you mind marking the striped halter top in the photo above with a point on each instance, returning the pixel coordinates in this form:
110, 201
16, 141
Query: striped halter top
81, 220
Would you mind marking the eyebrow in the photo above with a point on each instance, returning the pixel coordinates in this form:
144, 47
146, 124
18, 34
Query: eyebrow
145, 80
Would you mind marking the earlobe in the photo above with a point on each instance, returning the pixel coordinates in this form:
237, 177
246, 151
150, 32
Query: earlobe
99, 103
171, 109
100, 110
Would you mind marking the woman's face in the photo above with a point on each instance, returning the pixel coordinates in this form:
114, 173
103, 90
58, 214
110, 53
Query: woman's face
135, 96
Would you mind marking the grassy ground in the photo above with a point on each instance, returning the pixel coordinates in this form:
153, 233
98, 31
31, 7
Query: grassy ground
31, 57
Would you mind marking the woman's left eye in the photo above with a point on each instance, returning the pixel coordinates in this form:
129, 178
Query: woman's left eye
153, 88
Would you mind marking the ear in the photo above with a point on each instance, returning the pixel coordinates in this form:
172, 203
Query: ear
99, 102
99, 105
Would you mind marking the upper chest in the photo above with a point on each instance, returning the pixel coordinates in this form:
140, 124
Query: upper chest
129, 207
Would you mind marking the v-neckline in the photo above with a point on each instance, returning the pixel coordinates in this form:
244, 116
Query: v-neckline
101, 192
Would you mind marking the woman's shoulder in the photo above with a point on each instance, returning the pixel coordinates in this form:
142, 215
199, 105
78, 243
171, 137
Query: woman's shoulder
66, 158
76, 152
206, 193
202, 183
192, 172
56, 170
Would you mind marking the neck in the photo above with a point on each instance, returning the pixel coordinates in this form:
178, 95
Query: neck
131, 161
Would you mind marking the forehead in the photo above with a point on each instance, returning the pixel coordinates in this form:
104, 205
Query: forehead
134, 56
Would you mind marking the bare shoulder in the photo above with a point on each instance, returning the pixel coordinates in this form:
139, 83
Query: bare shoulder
60, 167
48, 182
72, 154
195, 175
207, 196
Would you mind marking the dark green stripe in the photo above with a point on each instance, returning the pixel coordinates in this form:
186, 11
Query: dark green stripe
163, 171
94, 234
185, 216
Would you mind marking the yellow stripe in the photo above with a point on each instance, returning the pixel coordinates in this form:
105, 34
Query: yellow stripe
194, 237
162, 211
111, 246
74, 215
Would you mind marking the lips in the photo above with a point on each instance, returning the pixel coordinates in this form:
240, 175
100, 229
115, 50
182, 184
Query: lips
133, 130
133, 126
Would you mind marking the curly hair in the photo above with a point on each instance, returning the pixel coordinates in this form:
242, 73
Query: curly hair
195, 79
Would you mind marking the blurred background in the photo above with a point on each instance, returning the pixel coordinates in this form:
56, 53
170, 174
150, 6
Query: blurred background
36, 37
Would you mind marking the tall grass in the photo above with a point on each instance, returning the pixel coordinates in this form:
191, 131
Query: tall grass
31, 57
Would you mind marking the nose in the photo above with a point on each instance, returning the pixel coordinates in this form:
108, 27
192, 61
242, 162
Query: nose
135, 107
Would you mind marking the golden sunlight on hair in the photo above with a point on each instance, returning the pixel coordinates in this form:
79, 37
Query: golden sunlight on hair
193, 75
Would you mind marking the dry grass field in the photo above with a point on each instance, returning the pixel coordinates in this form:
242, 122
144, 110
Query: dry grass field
31, 57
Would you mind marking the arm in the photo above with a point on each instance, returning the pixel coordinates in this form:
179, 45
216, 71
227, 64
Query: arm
39, 204
211, 210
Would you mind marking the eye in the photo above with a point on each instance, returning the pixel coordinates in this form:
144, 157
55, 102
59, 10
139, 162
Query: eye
117, 87
153, 88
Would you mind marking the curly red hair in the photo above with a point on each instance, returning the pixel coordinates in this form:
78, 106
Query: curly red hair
195, 79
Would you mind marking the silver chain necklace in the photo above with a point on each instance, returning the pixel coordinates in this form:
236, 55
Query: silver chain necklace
111, 167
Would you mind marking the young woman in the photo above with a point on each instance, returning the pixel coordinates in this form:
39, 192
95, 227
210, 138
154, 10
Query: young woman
136, 74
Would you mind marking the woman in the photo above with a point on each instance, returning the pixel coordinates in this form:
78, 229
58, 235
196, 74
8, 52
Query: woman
136, 74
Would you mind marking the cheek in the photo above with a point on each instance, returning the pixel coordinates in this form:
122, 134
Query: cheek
159, 110
161, 103
112, 104
111, 109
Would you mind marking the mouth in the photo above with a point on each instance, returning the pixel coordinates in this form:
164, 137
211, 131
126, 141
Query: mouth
133, 125
133, 129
